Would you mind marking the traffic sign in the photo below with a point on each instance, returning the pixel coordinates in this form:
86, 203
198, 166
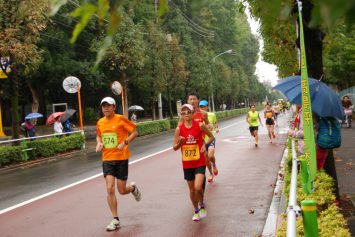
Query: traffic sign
5, 63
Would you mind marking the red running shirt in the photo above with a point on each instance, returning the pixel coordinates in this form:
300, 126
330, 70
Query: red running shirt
198, 117
190, 150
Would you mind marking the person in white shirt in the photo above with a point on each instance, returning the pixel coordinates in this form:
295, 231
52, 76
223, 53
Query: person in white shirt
58, 127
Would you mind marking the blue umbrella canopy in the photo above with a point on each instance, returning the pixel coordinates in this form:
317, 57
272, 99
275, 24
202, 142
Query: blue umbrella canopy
33, 116
325, 102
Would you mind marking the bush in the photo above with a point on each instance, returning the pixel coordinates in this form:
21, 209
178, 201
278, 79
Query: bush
330, 221
51, 146
10, 155
40, 148
151, 127
173, 123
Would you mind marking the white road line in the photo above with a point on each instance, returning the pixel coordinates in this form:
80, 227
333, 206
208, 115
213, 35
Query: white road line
73, 184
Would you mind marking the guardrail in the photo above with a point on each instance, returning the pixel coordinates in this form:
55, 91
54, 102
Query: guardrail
8, 142
293, 209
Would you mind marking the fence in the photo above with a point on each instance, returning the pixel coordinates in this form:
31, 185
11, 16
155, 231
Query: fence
9, 142
293, 209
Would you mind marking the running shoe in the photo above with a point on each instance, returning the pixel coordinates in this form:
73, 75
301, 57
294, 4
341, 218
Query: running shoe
215, 171
203, 213
136, 193
114, 225
196, 216
256, 144
210, 179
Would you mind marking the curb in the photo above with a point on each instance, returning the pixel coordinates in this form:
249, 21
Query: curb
275, 206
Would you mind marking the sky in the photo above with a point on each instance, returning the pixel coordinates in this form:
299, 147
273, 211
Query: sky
265, 71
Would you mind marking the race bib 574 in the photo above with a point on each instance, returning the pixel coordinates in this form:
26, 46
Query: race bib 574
109, 140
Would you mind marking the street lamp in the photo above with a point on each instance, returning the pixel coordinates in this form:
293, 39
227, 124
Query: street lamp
213, 60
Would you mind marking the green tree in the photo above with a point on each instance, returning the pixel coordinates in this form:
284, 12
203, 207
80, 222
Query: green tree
126, 52
21, 23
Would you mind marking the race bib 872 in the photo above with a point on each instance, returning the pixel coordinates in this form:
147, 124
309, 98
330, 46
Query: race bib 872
109, 140
190, 152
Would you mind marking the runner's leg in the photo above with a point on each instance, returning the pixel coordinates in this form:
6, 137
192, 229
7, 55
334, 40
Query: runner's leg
256, 137
212, 158
111, 197
123, 187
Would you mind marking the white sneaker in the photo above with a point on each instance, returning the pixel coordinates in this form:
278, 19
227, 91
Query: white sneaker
202, 213
136, 193
196, 217
114, 225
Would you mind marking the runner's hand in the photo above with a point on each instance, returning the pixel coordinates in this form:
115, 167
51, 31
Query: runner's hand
203, 149
121, 146
99, 147
182, 139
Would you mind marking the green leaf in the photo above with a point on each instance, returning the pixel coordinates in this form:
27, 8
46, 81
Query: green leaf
106, 44
55, 5
163, 7
85, 12
102, 9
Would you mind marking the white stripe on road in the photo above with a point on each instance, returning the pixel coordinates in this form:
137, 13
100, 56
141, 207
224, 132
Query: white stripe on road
73, 184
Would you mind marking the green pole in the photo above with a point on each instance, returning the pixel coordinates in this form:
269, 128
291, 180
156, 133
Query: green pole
310, 224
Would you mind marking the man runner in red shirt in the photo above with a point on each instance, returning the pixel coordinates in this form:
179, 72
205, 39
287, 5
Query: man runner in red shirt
189, 137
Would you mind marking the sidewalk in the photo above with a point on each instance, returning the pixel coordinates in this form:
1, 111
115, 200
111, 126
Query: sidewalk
345, 168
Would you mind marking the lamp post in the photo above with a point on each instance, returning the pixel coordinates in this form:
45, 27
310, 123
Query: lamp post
213, 60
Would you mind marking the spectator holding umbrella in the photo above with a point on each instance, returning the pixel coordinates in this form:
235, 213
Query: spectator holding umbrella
30, 125
58, 127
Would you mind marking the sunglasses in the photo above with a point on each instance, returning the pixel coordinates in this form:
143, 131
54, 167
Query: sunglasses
186, 112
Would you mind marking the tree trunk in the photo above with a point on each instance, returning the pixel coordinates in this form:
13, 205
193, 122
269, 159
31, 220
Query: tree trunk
313, 38
153, 111
35, 97
15, 120
169, 103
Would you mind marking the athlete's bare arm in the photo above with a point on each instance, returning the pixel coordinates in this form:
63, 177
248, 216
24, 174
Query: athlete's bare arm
208, 133
178, 140
205, 117
98, 143
130, 138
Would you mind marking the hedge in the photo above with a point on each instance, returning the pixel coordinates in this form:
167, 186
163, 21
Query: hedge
39, 148
330, 221
152, 127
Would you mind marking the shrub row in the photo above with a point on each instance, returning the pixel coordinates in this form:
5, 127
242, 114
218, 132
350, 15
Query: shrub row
330, 221
39, 148
151, 127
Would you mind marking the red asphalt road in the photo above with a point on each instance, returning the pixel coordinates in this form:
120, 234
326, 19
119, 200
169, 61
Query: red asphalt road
244, 183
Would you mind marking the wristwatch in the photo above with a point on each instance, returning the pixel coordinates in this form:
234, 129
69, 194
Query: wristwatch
126, 142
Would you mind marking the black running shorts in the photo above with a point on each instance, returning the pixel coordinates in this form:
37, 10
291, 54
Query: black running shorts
269, 121
117, 168
189, 174
252, 129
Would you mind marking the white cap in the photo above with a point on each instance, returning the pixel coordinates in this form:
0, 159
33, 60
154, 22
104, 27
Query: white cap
190, 107
108, 100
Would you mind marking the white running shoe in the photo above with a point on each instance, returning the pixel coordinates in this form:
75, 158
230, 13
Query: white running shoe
202, 213
196, 217
136, 193
114, 225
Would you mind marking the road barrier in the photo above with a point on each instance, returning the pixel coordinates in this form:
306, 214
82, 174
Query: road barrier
9, 142
293, 209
